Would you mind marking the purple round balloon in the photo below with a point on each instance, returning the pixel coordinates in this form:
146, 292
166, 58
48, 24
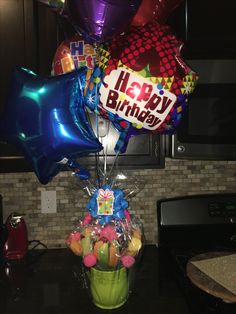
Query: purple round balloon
99, 20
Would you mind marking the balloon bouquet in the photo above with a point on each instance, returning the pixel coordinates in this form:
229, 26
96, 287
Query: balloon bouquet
123, 65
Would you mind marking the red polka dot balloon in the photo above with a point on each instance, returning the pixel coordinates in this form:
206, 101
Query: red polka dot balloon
146, 81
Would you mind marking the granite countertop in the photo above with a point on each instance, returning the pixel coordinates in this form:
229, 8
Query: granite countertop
53, 283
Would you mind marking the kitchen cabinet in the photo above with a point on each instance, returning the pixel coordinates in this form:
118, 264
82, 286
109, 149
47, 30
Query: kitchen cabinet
29, 35
16, 30
207, 28
26, 32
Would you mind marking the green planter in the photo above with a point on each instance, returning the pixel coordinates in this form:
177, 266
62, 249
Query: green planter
109, 289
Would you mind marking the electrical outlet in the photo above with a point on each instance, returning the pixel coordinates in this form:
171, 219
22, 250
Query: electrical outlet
48, 202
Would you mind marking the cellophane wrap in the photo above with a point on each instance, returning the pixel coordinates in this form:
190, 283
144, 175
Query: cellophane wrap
109, 241
109, 246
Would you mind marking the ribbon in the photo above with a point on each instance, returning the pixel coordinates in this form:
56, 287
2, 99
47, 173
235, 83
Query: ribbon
119, 205
105, 193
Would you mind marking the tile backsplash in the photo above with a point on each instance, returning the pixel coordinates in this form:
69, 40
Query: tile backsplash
21, 193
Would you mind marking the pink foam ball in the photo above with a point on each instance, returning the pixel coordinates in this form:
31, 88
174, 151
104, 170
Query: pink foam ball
73, 236
90, 260
127, 261
87, 220
127, 215
109, 233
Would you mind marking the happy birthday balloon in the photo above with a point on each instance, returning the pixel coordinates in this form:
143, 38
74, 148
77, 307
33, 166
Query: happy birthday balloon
158, 10
99, 20
143, 83
74, 53
45, 120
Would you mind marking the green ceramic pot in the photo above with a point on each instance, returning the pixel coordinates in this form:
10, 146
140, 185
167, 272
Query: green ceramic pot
109, 289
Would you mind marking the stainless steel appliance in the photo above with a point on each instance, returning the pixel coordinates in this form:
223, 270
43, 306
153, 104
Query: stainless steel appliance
207, 129
192, 225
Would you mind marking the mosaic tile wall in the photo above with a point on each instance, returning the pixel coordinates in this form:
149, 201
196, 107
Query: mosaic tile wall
22, 193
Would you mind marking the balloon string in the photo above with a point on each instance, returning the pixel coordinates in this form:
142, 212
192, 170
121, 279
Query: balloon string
113, 165
106, 151
97, 133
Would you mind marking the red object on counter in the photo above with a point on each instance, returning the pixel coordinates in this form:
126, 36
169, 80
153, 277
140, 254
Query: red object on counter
16, 245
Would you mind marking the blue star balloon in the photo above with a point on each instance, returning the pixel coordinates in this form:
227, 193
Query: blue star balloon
46, 121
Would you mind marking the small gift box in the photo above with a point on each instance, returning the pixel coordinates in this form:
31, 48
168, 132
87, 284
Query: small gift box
105, 202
